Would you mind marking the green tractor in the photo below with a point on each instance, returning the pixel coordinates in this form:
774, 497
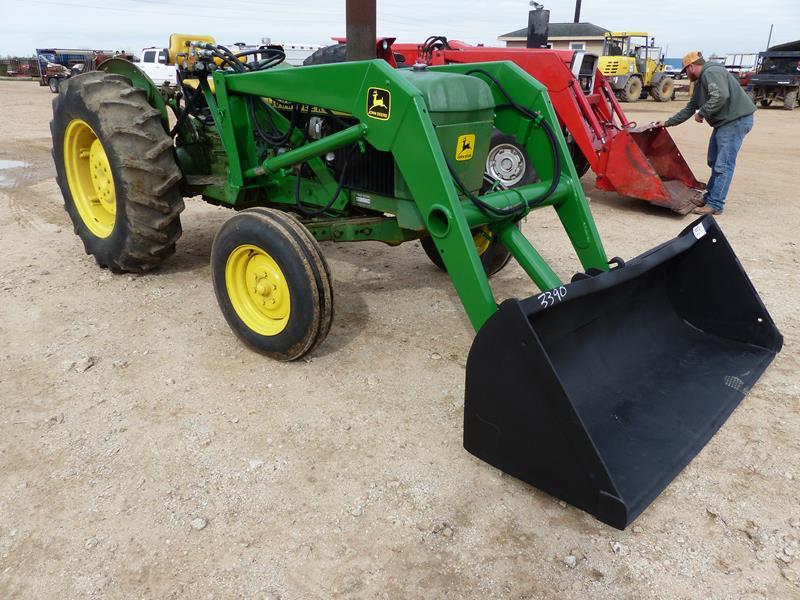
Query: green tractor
580, 389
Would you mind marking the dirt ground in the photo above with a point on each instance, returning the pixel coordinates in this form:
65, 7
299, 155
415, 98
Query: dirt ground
145, 452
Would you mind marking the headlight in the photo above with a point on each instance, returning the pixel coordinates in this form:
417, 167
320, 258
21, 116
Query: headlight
631, 68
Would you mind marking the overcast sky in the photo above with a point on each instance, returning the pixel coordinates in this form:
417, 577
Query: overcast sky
679, 25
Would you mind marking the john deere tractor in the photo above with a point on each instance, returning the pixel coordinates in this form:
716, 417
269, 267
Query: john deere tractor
589, 389
634, 67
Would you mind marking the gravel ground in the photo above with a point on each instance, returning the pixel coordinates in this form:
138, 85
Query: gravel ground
146, 453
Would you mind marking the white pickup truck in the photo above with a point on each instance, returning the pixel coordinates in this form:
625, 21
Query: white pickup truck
154, 63
154, 60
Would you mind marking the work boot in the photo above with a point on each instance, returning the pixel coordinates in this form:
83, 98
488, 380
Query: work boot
706, 210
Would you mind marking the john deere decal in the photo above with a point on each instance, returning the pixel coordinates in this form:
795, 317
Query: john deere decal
465, 147
379, 103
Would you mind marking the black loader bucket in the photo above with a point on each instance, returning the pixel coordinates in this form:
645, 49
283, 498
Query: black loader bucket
602, 391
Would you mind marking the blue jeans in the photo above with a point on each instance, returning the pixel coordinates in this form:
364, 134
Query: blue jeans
722, 150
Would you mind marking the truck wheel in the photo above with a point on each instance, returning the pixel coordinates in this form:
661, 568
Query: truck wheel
632, 90
53, 84
116, 169
663, 90
790, 100
272, 283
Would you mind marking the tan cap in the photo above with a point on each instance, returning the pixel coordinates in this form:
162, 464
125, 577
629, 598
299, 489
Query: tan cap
690, 57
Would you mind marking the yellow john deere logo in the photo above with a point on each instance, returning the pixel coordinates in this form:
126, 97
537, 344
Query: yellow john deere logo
379, 103
465, 147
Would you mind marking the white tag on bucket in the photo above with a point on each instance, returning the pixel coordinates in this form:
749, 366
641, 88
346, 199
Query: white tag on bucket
698, 230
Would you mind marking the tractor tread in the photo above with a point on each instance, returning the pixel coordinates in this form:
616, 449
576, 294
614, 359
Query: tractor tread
149, 201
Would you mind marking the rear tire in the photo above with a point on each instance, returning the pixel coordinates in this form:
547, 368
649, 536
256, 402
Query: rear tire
335, 53
632, 90
790, 100
765, 102
52, 83
272, 283
663, 90
116, 169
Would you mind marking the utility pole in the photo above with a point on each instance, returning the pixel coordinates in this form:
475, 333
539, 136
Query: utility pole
577, 11
769, 39
360, 29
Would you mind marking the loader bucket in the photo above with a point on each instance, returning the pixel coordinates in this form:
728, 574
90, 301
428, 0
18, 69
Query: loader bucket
602, 391
645, 163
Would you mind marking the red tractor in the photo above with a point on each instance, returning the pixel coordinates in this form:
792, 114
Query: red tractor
639, 162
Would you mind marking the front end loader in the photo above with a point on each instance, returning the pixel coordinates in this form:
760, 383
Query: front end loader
598, 390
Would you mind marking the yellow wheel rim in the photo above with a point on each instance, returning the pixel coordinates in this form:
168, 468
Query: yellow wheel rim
482, 239
89, 178
258, 291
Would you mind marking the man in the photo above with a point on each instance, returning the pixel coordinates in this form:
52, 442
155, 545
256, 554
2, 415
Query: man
720, 100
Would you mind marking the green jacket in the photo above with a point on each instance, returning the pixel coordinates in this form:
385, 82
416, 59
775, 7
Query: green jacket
718, 98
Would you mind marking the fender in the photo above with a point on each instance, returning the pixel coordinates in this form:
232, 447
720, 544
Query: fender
140, 80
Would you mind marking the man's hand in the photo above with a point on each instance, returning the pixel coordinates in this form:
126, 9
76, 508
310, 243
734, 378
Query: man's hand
698, 117
660, 124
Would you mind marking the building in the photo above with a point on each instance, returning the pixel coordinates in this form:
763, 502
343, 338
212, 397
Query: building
563, 36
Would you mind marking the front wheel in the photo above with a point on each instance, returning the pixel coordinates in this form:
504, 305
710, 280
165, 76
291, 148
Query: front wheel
272, 283
494, 255
632, 90
53, 84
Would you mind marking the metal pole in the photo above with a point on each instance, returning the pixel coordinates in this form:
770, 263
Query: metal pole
360, 30
577, 11
769, 39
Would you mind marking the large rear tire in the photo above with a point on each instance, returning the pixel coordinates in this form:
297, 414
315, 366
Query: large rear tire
790, 100
272, 283
116, 168
632, 90
662, 91
335, 53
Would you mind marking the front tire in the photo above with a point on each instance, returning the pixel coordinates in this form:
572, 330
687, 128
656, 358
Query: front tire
632, 90
508, 163
116, 169
52, 83
272, 283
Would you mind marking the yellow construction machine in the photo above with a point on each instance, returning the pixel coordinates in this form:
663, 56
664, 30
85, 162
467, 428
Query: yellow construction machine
634, 67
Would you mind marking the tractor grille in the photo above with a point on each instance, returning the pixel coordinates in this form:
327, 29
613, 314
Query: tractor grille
369, 172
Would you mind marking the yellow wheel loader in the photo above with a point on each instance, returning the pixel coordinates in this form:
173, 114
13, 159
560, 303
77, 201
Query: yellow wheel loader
634, 67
